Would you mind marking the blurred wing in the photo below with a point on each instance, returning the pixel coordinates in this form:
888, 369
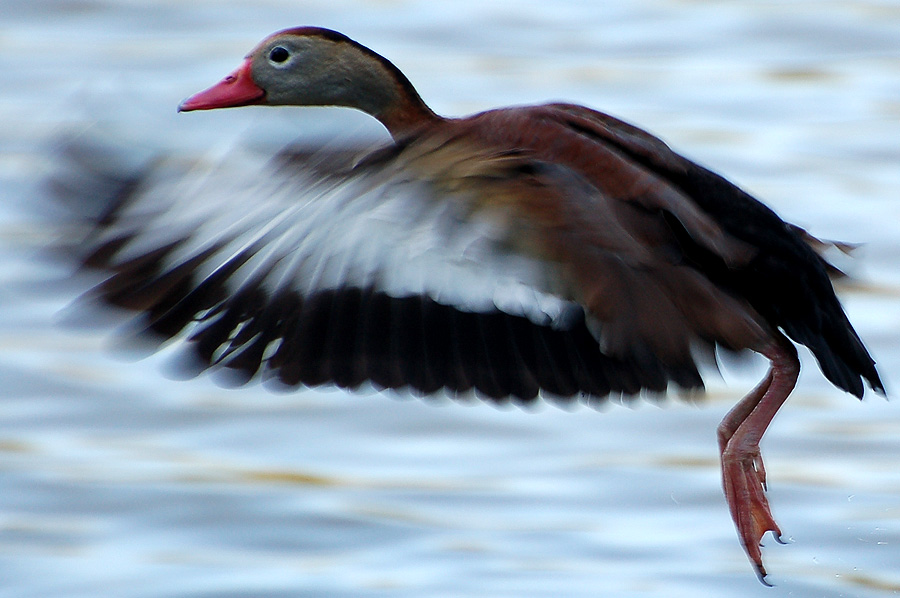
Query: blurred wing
397, 272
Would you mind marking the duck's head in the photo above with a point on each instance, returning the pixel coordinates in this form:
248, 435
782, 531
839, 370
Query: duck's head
312, 66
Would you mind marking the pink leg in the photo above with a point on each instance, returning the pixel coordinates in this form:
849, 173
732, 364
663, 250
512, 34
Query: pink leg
743, 472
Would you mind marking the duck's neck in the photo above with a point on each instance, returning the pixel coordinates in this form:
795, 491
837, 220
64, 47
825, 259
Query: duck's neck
385, 93
407, 117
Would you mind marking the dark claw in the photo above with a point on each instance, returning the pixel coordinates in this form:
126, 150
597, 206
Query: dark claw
761, 575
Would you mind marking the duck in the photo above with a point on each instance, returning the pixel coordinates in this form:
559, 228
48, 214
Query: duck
530, 251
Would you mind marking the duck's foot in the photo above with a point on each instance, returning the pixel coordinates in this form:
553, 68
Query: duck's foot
744, 478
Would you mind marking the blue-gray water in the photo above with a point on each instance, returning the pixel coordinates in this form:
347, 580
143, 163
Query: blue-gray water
116, 481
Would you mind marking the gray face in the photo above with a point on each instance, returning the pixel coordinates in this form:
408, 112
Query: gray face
313, 71
290, 70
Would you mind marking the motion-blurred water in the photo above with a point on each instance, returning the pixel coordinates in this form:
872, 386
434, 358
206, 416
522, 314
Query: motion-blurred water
116, 481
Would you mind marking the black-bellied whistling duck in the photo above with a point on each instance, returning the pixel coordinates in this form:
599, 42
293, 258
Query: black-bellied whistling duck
521, 250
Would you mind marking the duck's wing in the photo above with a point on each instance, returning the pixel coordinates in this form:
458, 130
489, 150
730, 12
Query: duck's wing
428, 266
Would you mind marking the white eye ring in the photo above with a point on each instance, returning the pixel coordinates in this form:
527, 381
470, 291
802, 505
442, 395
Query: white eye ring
279, 55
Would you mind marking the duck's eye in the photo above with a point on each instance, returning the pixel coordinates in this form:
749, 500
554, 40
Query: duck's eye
278, 54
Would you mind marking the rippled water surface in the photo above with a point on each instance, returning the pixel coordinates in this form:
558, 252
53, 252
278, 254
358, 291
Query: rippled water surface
116, 481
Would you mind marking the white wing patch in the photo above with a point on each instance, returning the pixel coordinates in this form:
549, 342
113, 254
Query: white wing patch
301, 230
